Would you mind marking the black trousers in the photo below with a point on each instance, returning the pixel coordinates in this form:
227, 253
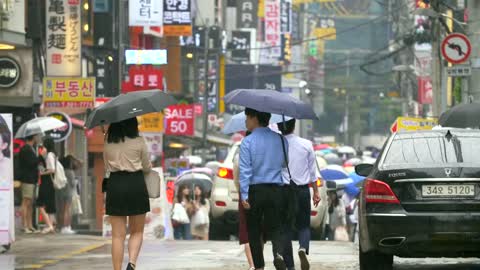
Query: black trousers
266, 210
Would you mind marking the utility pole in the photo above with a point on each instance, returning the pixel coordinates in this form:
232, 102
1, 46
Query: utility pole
474, 35
205, 94
436, 63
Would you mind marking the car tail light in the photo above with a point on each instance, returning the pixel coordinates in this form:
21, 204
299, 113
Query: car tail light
379, 192
319, 183
225, 173
313, 213
220, 203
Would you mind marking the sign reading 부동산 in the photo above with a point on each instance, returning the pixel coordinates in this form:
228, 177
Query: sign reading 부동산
64, 44
61, 93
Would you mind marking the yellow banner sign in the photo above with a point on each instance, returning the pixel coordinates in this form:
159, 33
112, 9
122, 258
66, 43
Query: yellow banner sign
68, 92
413, 124
325, 33
152, 122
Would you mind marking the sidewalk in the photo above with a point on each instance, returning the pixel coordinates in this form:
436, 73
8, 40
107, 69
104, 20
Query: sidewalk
37, 251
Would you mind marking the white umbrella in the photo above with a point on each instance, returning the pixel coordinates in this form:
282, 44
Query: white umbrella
39, 125
237, 122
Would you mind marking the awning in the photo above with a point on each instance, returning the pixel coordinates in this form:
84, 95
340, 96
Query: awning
15, 39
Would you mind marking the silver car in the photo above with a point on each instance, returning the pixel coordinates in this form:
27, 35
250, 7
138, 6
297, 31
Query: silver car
224, 203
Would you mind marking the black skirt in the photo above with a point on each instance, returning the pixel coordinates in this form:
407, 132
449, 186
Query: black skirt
127, 194
46, 195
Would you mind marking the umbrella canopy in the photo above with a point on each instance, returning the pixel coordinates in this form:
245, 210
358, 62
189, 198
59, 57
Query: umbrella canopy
272, 102
356, 178
192, 179
237, 123
321, 147
347, 150
333, 159
129, 105
336, 173
461, 116
39, 125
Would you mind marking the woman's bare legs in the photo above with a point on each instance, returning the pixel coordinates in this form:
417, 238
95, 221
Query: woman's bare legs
136, 225
119, 232
248, 253
46, 217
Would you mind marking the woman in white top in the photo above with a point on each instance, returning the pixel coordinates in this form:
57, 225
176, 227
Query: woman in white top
126, 161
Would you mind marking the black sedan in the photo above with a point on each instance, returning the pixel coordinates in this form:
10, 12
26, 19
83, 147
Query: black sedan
421, 198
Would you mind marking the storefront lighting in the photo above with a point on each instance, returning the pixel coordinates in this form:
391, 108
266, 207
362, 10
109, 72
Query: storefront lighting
110, 58
86, 27
86, 6
176, 145
6, 47
189, 55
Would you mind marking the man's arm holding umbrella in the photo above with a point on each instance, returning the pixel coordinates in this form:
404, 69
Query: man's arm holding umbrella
246, 172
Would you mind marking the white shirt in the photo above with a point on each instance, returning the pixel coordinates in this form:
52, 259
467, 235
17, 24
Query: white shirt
301, 160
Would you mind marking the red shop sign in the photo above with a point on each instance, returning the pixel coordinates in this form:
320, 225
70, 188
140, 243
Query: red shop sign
143, 78
180, 120
425, 90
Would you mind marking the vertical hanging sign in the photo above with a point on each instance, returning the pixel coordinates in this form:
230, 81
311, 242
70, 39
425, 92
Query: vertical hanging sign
247, 11
177, 18
272, 28
145, 13
63, 38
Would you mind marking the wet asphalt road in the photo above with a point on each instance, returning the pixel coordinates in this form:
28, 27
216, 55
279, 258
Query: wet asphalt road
59, 252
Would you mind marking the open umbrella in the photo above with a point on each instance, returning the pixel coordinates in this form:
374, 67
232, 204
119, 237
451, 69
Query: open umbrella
322, 146
129, 105
39, 125
337, 174
271, 101
237, 122
461, 116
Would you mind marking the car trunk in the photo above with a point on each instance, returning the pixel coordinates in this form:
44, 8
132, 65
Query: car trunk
436, 172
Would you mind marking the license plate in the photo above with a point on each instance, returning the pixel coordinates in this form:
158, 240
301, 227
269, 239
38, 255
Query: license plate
448, 190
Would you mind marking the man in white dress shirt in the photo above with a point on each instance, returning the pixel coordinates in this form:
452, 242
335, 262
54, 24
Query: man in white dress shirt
303, 171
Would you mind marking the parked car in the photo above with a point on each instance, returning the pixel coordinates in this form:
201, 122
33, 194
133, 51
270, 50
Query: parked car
421, 198
225, 197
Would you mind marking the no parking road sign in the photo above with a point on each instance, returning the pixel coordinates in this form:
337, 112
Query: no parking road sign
456, 48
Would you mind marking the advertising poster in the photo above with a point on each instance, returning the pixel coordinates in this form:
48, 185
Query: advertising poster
7, 230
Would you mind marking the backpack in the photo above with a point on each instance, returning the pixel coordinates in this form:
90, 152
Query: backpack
59, 179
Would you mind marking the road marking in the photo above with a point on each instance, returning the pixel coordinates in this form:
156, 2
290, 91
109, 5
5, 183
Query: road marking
66, 256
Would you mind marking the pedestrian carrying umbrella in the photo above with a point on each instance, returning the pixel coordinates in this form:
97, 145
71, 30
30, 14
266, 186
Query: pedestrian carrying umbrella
461, 116
237, 122
39, 125
271, 101
129, 105
337, 174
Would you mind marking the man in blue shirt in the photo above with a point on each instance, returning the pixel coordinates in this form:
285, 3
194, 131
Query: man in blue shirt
261, 163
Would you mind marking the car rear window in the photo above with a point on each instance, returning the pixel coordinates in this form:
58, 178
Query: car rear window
434, 150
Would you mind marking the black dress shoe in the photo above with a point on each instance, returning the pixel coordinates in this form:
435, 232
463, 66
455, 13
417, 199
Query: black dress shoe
131, 266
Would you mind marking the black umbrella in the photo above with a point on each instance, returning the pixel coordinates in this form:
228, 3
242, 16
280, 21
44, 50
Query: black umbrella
461, 116
129, 105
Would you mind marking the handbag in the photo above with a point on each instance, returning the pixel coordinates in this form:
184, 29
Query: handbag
59, 178
179, 214
152, 180
200, 218
341, 234
76, 204
290, 194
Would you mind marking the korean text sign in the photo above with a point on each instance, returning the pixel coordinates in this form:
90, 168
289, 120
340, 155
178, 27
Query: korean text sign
180, 120
69, 92
272, 27
145, 13
64, 42
177, 18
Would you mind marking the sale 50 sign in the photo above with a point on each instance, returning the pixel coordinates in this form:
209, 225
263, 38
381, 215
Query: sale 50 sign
180, 120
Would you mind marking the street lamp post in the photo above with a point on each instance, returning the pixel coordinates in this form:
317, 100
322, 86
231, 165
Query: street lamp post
205, 95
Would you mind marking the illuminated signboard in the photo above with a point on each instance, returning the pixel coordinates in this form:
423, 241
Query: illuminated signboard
146, 57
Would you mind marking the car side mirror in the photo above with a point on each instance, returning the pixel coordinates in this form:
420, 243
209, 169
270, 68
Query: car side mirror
364, 169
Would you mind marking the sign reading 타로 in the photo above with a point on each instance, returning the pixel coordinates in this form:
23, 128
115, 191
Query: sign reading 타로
177, 18
145, 13
63, 38
180, 120
68, 92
